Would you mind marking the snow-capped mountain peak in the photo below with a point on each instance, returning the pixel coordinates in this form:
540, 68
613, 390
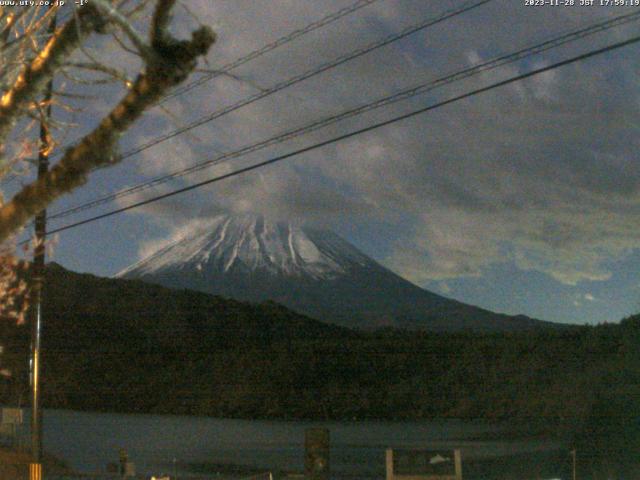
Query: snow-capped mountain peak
251, 243
312, 271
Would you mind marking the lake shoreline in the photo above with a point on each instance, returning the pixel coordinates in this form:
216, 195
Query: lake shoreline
161, 443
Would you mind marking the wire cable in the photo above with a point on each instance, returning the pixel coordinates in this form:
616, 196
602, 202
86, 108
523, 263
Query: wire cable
354, 133
226, 69
332, 17
394, 98
451, 13
468, 6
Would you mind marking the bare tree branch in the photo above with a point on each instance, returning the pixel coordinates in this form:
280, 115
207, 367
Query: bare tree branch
117, 18
100, 68
172, 62
160, 22
34, 77
123, 45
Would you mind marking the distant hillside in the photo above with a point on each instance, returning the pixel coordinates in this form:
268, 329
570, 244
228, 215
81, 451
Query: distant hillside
162, 317
128, 346
109, 344
314, 272
121, 345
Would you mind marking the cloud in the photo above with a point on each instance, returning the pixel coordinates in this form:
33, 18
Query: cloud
150, 246
541, 173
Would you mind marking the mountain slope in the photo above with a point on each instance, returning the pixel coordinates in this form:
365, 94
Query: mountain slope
312, 271
130, 346
123, 345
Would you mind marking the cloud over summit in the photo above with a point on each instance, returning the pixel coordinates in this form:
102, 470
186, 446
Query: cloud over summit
542, 173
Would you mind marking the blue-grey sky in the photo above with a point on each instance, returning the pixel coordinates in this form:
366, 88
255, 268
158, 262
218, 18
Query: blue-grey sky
524, 199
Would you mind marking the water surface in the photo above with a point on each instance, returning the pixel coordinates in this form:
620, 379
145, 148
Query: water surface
160, 443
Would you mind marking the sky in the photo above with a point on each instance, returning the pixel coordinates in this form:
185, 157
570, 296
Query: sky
522, 200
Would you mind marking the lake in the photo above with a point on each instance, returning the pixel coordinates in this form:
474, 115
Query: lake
186, 444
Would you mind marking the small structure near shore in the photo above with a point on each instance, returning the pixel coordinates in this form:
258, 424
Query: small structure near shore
412, 464
15, 465
12, 419
316, 456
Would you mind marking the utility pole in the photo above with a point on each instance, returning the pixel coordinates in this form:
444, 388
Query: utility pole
35, 471
573, 456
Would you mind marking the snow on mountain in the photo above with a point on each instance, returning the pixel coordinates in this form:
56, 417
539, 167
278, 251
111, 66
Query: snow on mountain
252, 244
312, 271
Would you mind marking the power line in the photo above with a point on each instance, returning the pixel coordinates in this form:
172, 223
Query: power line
332, 17
468, 6
396, 97
340, 138
226, 69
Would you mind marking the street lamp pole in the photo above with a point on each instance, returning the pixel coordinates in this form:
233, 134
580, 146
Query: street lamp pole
38, 277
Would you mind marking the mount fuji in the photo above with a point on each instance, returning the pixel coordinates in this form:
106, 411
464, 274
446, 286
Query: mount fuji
312, 271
